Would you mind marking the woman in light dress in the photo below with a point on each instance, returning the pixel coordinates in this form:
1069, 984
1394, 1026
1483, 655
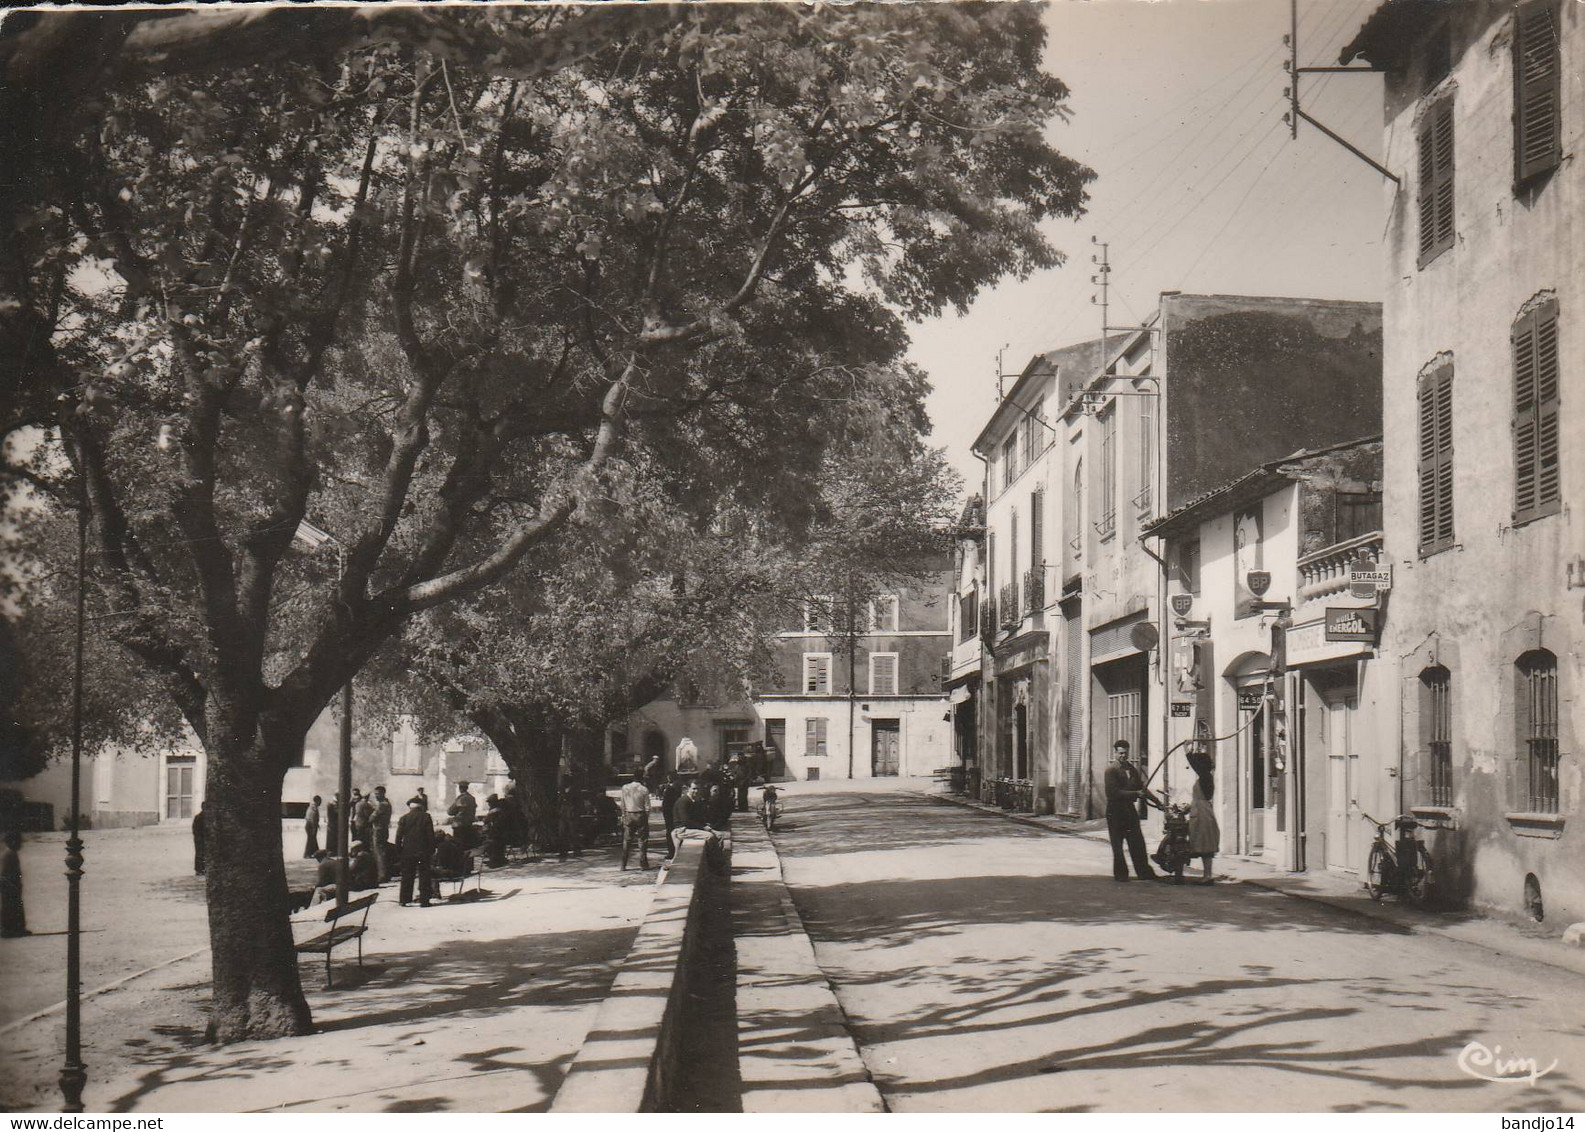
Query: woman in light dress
1205, 835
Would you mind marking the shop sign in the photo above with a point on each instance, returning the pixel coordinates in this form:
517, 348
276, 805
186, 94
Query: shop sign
1352, 625
1259, 581
1181, 711
1249, 699
1182, 603
1366, 579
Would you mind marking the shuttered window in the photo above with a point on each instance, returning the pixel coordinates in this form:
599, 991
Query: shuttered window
1037, 529
1436, 181
1537, 68
1537, 485
814, 738
883, 674
1107, 523
817, 673
1436, 459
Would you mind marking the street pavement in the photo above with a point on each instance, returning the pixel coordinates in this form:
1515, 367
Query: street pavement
987, 966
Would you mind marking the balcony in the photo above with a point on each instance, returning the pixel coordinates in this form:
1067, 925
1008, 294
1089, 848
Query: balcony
1034, 592
1324, 573
1008, 603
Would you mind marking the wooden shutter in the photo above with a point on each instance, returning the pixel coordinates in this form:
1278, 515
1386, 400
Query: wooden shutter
1537, 68
1037, 529
1436, 459
817, 674
1436, 181
1537, 483
883, 674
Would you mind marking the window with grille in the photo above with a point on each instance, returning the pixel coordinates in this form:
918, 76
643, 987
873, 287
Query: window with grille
1436, 734
883, 674
1537, 70
1436, 181
1107, 522
1436, 459
1122, 719
1537, 483
817, 673
1537, 718
815, 738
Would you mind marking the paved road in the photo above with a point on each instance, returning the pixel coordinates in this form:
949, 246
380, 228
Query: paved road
986, 966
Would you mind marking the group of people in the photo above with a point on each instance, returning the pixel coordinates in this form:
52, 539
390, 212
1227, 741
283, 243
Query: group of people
1127, 797
418, 852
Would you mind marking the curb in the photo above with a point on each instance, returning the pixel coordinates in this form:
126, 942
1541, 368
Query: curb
1518, 947
86, 995
805, 992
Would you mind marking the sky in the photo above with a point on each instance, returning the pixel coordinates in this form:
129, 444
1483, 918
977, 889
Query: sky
1177, 105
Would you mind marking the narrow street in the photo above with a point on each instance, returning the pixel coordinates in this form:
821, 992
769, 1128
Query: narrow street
987, 966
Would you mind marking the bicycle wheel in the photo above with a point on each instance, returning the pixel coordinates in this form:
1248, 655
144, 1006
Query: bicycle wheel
1420, 884
1376, 872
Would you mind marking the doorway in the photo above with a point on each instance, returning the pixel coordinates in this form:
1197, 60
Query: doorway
179, 789
1253, 724
1343, 835
1021, 742
885, 742
776, 748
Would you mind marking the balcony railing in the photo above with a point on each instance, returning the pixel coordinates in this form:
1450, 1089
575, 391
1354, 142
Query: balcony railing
1325, 571
1034, 592
1008, 602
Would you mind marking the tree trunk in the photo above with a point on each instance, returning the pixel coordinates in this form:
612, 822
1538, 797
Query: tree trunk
257, 993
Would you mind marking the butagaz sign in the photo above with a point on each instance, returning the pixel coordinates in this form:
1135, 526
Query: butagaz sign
1352, 625
1366, 578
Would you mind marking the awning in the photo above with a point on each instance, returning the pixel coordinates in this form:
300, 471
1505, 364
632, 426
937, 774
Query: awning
959, 696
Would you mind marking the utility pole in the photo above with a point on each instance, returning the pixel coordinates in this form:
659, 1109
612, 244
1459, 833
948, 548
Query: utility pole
1102, 279
852, 674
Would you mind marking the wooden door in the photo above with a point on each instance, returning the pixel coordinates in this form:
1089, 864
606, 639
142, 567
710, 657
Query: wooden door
1342, 833
884, 748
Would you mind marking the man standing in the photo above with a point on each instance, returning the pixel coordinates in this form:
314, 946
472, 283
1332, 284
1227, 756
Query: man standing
362, 818
1124, 789
415, 845
200, 857
654, 774
462, 812
669, 796
380, 827
13, 919
635, 822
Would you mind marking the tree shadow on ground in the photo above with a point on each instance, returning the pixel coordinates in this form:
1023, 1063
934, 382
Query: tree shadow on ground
866, 823
395, 1007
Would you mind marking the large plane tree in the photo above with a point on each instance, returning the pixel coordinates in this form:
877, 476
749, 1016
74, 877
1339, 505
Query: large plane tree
420, 293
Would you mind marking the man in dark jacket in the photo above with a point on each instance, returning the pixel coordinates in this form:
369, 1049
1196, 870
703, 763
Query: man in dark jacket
381, 829
670, 794
200, 855
415, 845
1124, 788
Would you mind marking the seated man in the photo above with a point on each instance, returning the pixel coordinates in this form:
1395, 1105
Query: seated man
692, 812
495, 831
363, 871
451, 859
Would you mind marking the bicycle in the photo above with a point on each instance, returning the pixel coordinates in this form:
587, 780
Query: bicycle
1386, 871
769, 808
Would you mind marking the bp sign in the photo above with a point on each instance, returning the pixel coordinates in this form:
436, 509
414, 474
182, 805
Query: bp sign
1182, 603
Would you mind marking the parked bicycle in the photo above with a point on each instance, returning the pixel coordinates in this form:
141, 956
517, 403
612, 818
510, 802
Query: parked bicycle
1400, 865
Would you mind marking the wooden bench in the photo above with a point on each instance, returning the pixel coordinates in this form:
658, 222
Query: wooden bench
327, 940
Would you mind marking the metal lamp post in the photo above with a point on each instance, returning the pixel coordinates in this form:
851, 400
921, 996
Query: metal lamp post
314, 538
74, 1074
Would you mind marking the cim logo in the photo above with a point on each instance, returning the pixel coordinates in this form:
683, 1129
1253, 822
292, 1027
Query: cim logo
1490, 1065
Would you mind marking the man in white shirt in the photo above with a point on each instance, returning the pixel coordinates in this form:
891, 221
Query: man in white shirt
635, 822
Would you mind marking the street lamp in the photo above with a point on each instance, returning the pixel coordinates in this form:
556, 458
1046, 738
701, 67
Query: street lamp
314, 538
74, 1074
